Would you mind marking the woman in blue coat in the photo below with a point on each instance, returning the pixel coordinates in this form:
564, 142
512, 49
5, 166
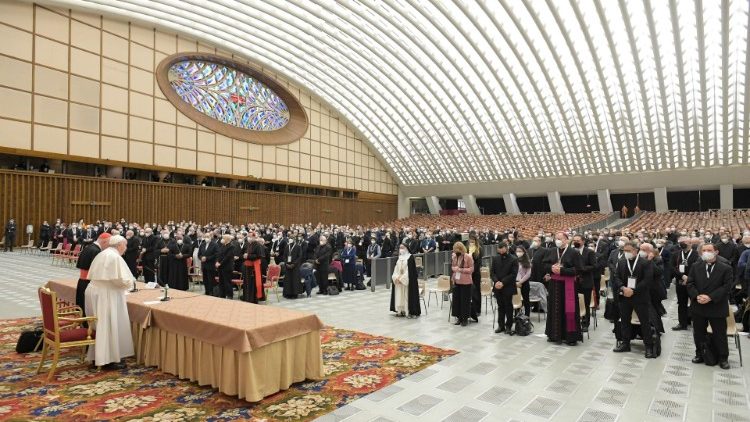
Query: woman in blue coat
349, 264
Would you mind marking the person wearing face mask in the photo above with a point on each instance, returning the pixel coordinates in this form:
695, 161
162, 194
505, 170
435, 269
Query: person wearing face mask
665, 255
549, 242
349, 264
504, 274
178, 253
405, 288
633, 293
373, 252
727, 249
253, 255
163, 259
208, 251
562, 265
682, 261
709, 284
224, 266
149, 253
524, 275
386, 248
585, 285
238, 243
462, 266
616, 255
292, 260
131, 252
475, 250
322, 257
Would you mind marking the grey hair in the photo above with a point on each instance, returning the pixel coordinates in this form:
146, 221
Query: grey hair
116, 240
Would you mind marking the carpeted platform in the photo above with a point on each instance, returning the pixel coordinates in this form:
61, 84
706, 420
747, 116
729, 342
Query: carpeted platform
356, 364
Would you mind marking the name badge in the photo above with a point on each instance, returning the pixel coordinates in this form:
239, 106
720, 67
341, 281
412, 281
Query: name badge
682, 268
346, 261
631, 282
289, 259
457, 276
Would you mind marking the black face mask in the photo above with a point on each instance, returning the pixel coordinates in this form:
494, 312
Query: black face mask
683, 245
577, 244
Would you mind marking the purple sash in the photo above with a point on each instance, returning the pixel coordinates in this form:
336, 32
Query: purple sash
570, 300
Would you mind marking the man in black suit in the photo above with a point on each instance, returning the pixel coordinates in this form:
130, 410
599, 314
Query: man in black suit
682, 262
708, 287
631, 284
10, 234
322, 257
132, 251
585, 283
224, 266
208, 250
503, 271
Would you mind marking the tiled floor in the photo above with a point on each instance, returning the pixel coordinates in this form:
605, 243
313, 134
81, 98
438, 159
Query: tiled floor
495, 377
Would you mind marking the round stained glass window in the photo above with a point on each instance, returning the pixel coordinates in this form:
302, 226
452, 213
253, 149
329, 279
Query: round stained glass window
228, 95
231, 98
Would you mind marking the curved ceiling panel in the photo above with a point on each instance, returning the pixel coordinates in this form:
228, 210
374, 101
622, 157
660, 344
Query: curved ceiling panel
485, 90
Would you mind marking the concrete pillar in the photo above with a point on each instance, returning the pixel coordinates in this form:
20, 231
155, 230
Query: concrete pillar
404, 205
660, 200
555, 205
470, 202
726, 197
511, 206
433, 203
605, 204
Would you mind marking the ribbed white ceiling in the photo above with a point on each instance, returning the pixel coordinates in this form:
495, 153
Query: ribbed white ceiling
473, 91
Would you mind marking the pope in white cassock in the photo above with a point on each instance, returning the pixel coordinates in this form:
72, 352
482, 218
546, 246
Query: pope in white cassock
105, 298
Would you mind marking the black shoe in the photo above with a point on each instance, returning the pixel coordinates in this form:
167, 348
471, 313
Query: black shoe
724, 364
650, 353
697, 359
622, 347
464, 323
499, 330
475, 319
549, 340
679, 327
458, 322
571, 343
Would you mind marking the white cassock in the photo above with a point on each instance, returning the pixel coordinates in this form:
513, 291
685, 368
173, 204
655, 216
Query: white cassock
105, 299
401, 283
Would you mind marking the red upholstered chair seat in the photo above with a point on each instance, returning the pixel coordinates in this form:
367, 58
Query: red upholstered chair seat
76, 334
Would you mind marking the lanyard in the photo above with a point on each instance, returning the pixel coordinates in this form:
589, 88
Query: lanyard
685, 258
633, 268
560, 255
709, 271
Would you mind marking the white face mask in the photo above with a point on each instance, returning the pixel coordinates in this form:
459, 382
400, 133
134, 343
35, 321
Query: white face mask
629, 255
535, 244
519, 254
179, 241
620, 243
708, 256
402, 251
322, 242
558, 243
548, 239
643, 254
725, 240
165, 236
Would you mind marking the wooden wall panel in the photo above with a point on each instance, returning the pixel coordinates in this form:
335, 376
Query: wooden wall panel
31, 198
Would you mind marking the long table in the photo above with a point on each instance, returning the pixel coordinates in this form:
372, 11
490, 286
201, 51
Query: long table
245, 350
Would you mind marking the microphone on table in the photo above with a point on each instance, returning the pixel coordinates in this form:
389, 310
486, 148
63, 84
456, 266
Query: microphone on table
134, 288
166, 293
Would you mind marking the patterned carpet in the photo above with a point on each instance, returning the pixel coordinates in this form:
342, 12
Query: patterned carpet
356, 364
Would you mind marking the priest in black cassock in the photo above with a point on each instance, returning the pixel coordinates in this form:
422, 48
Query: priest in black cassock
561, 266
179, 251
252, 276
163, 259
294, 257
132, 251
84, 264
149, 252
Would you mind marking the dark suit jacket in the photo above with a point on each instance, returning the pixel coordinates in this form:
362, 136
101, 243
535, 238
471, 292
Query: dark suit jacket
588, 267
644, 276
209, 250
717, 287
677, 261
504, 269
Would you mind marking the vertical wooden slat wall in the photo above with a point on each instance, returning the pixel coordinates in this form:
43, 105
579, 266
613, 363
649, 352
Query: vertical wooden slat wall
31, 198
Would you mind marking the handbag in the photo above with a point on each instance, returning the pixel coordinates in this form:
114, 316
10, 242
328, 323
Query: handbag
30, 341
709, 355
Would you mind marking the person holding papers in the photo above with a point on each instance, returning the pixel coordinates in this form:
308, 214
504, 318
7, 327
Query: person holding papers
631, 286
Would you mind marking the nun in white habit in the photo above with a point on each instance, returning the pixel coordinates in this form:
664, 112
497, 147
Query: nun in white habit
105, 298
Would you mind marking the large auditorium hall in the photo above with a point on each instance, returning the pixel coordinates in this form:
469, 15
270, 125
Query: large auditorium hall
374, 210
